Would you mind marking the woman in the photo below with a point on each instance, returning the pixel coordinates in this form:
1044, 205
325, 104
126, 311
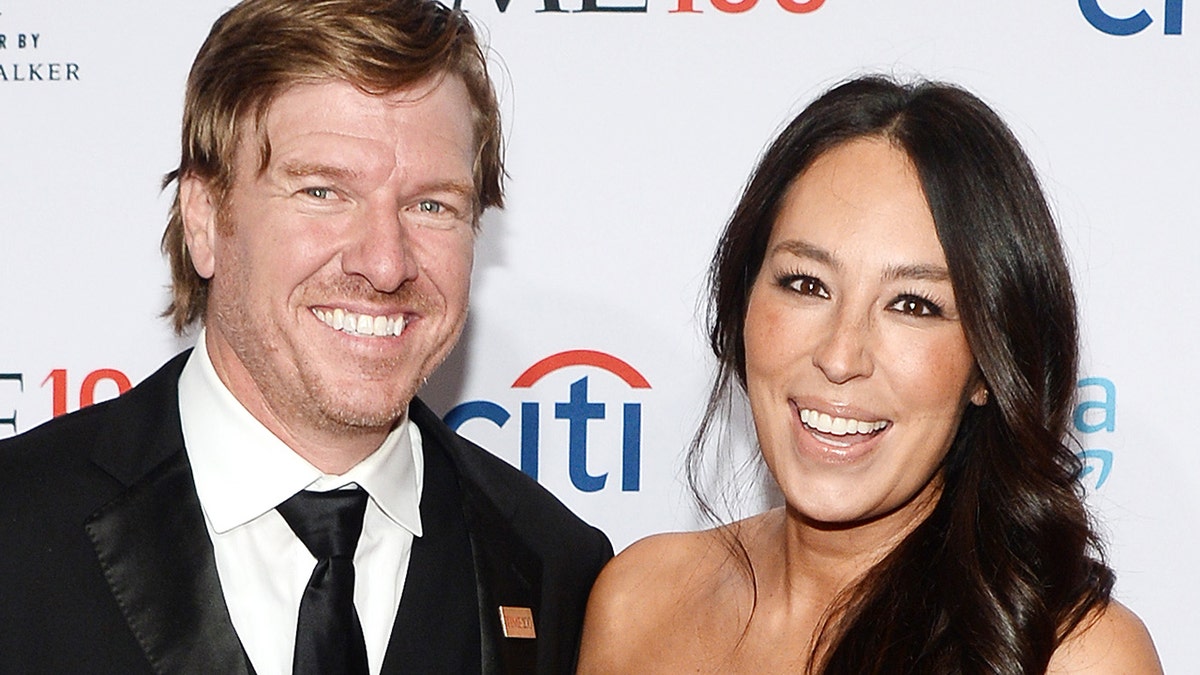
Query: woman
892, 296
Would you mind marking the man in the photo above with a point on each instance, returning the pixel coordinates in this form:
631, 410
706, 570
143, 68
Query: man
336, 159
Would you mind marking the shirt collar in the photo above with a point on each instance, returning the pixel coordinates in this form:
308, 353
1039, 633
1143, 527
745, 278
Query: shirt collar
242, 470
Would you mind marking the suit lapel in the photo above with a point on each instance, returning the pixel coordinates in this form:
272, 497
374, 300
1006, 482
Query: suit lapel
506, 572
506, 576
151, 540
437, 626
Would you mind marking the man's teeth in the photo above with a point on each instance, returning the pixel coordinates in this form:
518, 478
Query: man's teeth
838, 426
360, 324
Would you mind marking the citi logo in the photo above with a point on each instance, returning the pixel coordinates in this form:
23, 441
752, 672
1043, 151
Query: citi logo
1172, 18
591, 425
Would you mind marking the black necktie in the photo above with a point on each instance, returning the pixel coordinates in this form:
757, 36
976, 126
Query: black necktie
329, 638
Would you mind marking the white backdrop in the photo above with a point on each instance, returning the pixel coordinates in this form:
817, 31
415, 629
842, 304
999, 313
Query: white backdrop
630, 135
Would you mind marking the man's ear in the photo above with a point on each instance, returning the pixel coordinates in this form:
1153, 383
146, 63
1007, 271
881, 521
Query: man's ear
199, 211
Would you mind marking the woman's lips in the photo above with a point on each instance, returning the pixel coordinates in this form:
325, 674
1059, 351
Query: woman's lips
843, 438
839, 426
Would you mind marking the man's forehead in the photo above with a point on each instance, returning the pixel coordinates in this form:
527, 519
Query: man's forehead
437, 106
303, 100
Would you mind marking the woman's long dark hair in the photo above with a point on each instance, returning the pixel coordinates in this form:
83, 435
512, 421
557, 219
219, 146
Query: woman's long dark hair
1007, 563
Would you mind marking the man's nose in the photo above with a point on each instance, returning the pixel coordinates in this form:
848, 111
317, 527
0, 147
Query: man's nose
381, 250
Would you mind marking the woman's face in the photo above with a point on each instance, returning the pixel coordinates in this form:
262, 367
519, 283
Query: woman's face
857, 367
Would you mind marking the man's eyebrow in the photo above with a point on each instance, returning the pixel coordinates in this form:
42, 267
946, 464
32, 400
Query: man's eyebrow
306, 169
462, 188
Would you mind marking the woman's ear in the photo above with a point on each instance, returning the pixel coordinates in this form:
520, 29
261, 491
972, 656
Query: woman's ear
979, 397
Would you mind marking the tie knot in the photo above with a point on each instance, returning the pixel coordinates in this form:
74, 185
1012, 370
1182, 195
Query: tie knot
328, 523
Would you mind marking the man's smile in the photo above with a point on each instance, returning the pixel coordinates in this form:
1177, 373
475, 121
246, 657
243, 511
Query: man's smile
360, 324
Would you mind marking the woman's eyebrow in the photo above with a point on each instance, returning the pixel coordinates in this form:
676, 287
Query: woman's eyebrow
804, 249
912, 272
916, 272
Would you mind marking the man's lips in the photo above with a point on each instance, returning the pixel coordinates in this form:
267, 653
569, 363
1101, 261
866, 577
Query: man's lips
365, 325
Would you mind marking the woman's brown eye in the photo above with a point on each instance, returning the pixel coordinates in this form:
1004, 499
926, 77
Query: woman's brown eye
916, 306
804, 285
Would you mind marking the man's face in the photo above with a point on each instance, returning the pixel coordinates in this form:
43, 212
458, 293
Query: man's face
340, 274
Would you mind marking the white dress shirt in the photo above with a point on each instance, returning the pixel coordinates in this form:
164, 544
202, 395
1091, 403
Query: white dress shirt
243, 471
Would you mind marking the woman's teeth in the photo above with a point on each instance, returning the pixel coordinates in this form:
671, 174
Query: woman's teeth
838, 426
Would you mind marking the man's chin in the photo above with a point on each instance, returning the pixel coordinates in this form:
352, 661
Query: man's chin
365, 420
363, 407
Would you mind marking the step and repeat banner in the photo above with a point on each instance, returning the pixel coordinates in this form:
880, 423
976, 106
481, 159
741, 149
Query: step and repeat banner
631, 127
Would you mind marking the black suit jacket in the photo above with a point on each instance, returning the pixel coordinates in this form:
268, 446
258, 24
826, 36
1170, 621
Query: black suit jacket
106, 566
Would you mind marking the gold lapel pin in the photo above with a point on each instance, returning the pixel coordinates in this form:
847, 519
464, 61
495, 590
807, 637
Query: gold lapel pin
517, 622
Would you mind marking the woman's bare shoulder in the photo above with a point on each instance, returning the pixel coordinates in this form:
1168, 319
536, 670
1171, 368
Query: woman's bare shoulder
664, 565
640, 603
1111, 641
662, 553
653, 572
